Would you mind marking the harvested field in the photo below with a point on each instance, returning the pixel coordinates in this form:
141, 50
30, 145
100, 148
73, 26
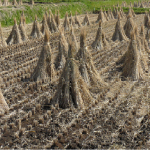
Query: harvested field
65, 92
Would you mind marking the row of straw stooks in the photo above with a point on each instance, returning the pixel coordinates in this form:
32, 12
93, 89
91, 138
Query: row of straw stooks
51, 23
78, 73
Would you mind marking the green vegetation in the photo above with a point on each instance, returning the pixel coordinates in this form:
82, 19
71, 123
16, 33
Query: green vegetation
81, 6
7, 16
91, 5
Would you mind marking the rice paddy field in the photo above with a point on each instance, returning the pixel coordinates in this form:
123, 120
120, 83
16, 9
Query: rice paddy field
74, 80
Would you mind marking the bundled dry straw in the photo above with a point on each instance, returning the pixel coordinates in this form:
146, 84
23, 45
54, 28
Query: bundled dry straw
44, 25
63, 48
131, 61
124, 4
3, 42
77, 20
135, 4
148, 37
36, 33
32, 2
86, 20
5, 3
146, 19
121, 13
86, 65
148, 32
142, 5
73, 38
106, 14
15, 2
115, 12
133, 13
144, 44
144, 52
3, 105
100, 41
23, 19
72, 90
20, 2
55, 16
63, 43
136, 31
128, 27
46, 14
142, 47
101, 16
14, 37
58, 19
109, 15
23, 34
44, 69
53, 25
129, 12
49, 20
62, 53
119, 33
60, 58
72, 22
66, 23
142, 31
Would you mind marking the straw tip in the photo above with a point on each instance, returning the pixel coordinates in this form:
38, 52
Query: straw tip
100, 23
132, 35
15, 22
22, 12
72, 50
118, 16
50, 11
44, 17
83, 32
46, 37
35, 17
61, 30
71, 29
129, 16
